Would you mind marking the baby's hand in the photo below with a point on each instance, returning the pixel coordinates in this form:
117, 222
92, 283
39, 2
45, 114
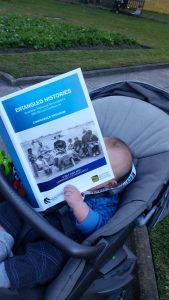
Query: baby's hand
72, 196
75, 201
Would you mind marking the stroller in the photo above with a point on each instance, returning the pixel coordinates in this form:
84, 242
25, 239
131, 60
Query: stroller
102, 267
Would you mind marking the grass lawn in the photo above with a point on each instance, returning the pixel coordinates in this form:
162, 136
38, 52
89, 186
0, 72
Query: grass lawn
150, 32
160, 248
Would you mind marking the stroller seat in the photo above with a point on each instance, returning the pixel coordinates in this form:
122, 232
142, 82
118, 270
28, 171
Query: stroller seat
145, 128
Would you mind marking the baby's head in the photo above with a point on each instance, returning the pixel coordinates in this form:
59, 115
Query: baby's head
120, 159
119, 155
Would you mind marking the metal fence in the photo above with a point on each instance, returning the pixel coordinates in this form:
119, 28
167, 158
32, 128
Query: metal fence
134, 4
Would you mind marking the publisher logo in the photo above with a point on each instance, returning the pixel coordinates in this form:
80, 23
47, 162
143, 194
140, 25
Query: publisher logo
95, 178
47, 200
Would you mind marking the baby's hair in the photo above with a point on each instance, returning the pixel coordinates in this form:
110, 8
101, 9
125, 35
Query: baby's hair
116, 143
120, 156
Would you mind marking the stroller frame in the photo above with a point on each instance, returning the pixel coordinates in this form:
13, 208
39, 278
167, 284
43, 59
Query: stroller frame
99, 256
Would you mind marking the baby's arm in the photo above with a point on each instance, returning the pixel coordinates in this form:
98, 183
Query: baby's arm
90, 215
84, 217
75, 201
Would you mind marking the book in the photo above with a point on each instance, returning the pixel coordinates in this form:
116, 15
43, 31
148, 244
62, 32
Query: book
53, 138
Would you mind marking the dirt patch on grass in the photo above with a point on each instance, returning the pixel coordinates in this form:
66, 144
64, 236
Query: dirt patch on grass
116, 47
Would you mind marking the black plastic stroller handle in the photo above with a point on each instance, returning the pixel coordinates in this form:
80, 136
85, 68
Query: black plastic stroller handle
37, 221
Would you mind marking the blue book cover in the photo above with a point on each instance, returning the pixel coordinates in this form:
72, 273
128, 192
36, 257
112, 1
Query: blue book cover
53, 137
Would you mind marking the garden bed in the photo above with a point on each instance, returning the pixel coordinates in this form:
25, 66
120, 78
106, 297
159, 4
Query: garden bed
32, 33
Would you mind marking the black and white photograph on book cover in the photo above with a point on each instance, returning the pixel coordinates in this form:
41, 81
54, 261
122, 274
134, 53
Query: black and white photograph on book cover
62, 151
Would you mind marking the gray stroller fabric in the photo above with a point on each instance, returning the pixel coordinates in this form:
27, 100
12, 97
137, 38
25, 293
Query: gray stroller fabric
61, 287
139, 90
145, 129
141, 125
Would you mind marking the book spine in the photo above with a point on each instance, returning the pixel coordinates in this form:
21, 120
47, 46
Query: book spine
13, 154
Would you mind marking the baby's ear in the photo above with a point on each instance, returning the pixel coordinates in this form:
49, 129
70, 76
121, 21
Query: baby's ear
111, 183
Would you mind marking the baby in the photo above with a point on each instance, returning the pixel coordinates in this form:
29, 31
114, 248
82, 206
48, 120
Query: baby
93, 214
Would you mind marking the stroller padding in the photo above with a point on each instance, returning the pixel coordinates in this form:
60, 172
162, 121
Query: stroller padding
141, 125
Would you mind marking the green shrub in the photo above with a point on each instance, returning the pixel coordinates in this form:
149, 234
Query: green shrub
19, 31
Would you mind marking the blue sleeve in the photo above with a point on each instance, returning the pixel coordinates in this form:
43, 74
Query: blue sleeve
89, 224
101, 211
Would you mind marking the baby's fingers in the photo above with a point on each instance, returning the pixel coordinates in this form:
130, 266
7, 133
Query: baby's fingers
71, 188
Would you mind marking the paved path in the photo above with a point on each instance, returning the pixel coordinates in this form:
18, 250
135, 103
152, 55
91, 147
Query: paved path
157, 77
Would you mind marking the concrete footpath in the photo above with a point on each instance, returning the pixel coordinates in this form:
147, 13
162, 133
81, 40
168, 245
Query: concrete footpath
158, 76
